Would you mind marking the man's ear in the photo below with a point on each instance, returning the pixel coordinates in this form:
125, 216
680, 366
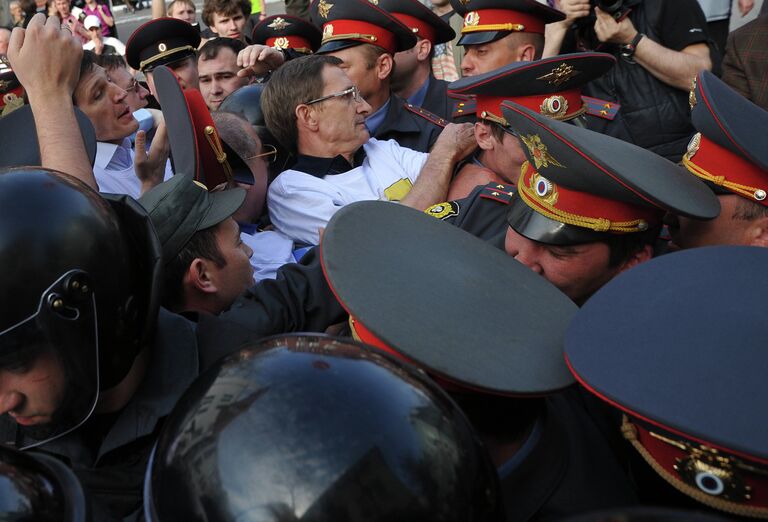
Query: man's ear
384, 64
198, 277
306, 117
641, 256
526, 53
484, 136
423, 49
757, 233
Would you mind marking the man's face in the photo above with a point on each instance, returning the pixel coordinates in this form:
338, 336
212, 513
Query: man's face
355, 65
236, 275
218, 77
185, 12
503, 157
136, 97
486, 57
62, 6
185, 69
105, 105
230, 25
32, 392
342, 119
406, 64
577, 270
723, 230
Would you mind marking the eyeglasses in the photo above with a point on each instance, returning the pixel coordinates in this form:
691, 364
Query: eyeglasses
133, 86
354, 91
269, 153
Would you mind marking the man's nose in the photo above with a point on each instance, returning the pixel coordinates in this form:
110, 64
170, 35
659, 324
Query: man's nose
529, 259
10, 401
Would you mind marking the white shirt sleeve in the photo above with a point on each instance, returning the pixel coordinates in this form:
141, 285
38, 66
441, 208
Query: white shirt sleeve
300, 205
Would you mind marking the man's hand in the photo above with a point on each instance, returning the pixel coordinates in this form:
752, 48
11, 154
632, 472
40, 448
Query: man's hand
573, 10
150, 167
745, 6
257, 60
45, 58
456, 141
609, 30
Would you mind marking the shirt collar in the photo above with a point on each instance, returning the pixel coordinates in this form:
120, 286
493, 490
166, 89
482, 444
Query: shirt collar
418, 97
105, 151
321, 167
373, 121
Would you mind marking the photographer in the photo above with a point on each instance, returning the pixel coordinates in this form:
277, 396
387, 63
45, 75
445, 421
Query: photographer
660, 46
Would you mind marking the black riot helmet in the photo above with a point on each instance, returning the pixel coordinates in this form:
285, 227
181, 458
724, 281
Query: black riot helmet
77, 296
35, 486
314, 428
246, 101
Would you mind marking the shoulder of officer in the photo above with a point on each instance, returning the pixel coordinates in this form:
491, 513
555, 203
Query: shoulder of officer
464, 109
425, 114
498, 192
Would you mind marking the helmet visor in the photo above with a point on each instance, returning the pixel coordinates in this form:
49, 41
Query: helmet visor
49, 363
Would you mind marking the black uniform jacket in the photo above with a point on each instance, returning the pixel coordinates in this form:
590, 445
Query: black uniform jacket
410, 126
483, 213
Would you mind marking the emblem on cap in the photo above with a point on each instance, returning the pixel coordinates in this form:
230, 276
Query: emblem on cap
544, 189
560, 74
162, 47
555, 107
539, 153
374, 2
327, 31
472, 19
281, 43
324, 8
278, 24
693, 146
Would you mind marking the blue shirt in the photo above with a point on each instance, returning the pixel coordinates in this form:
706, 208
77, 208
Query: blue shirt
418, 97
373, 121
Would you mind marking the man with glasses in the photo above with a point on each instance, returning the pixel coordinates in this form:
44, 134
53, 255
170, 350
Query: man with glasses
311, 106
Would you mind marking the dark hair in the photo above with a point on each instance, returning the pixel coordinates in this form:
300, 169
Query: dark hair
87, 64
623, 246
203, 245
224, 8
110, 62
294, 83
211, 48
230, 127
371, 54
747, 210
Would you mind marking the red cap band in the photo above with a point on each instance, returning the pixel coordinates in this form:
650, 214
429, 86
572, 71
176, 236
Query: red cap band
560, 106
359, 31
501, 20
288, 42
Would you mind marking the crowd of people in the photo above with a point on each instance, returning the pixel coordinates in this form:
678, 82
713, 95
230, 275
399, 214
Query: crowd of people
477, 260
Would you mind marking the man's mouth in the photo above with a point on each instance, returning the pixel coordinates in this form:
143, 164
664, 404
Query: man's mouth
27, 421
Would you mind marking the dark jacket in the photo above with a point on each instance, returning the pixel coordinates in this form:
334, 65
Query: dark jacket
410, 126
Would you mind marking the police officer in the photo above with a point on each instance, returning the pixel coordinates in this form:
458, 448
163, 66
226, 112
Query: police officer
283, 31
165, 41
586, 206
730, 153
696, 434
365, 37
413, 79
490, 332
551, 87
343, 433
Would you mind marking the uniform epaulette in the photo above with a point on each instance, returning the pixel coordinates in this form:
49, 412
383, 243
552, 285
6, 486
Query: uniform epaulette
432, 118
498, 192
444, 210
464, 107
601, 108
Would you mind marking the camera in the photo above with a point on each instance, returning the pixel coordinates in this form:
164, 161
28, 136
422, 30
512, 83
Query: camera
618, 9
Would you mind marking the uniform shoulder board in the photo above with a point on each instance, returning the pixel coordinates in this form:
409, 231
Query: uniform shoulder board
464, 107
432, 118
601, 108
444, 210
498, 192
